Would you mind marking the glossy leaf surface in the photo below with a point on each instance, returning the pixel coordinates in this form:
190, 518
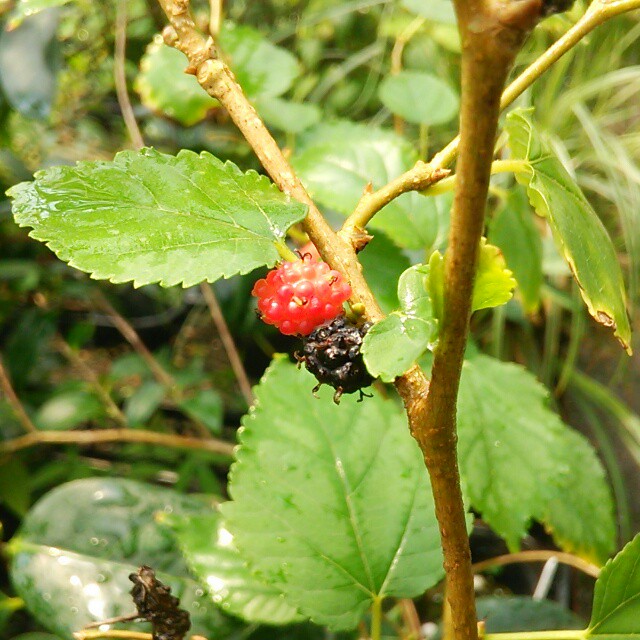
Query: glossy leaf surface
411, 330
577, 228
331, 503
616, 598
76, 547
520, 462
149, 217
209, 550
337, 161
419, 97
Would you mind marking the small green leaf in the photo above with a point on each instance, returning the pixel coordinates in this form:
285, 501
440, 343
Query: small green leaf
411, 331
73, 553
68, 410
616, 598
419, 97
206, 406
164, 86
337, 161
140, 406
520, 462
331, 504
579, 231
292, 117
514, 232
262, 68
210, 552
149, 217
494, 283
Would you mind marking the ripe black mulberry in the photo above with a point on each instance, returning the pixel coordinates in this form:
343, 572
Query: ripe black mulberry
332, 353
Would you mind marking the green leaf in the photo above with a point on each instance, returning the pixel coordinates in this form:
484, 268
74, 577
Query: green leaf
418, 97
8, 606
262, 68
435, 10
149, 217
494, 283
519, 462
577, 228
331, 504
382, 265
411, 331
26, 8
71, 558
140, 406
337, 160
493, 286
616, 597
68, 410
292, 117
206, 406
509, 614
165, 87
211, 554
513, 230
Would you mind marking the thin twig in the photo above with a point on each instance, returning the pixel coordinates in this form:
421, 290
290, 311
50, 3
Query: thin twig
541, 555
411, 618
13, 400
90, 376
112, 633
215, 17
120, 77
102, 436
227, 341
132, 337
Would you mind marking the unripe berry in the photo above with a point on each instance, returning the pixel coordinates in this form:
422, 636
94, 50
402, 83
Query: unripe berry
298, 296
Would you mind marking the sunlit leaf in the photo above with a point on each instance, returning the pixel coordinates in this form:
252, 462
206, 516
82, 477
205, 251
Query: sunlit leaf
212, 556
331, 504
149, 217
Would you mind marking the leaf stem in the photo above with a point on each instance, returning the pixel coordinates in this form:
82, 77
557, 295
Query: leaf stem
14, 402
286, 253
376, 618
92, 634
538, 555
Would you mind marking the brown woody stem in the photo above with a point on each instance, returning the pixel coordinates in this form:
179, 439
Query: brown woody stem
491, 34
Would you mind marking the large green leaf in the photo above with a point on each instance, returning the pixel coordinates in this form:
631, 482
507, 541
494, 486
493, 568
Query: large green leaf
212, 556
436, 10
410, 331
419, 97
616, 599
337, 161
149, 217
71, 558
331, 504
521, 462
513, 230
577, 228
